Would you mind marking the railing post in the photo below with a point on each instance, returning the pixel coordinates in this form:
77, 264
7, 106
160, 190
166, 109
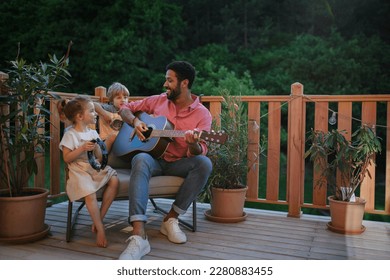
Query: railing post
39, 178
4, 110
253, 150
214, 104
55, 153
101, 92
295, 151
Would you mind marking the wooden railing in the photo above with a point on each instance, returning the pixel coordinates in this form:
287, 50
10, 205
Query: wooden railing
281, 176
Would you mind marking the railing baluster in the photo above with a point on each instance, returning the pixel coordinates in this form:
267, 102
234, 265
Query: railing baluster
273, 155
253, 150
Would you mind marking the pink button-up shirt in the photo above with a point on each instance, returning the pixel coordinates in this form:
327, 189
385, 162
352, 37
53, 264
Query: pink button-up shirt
189, 118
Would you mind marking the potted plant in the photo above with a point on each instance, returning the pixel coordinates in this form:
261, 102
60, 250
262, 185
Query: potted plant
342, 165
226, 189
24, 93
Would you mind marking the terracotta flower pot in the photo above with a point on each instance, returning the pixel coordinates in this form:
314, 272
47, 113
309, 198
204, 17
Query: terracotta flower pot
347, 217
22, 218
227, 205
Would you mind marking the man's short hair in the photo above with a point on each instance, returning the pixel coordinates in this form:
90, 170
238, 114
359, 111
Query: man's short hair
184, 70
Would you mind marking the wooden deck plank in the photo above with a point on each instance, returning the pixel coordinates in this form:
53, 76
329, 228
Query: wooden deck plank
266, 235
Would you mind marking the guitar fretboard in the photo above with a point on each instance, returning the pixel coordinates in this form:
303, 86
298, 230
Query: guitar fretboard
167, 133
216, 137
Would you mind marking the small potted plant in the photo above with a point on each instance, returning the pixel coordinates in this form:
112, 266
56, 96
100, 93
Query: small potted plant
25, 91
227, 187
342, 166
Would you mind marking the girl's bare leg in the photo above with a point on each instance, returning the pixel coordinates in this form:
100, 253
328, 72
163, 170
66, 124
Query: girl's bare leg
108, 197
93, 209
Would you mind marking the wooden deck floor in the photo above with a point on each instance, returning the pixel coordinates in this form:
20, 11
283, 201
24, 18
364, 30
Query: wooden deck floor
265, 235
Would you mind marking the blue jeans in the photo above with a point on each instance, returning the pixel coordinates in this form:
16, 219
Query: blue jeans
195, 171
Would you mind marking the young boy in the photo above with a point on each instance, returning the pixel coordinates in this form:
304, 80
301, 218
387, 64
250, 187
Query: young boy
118, 95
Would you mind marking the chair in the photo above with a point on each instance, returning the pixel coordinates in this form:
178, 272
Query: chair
159, 187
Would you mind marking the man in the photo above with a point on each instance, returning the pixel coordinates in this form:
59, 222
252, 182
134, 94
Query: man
184, 157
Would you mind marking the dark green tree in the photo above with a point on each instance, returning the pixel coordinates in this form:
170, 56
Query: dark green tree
329, 65
274, 42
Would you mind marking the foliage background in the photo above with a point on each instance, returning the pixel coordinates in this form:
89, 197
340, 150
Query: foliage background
251, 46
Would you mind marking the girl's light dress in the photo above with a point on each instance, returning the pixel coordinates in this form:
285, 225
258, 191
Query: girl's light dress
83, 179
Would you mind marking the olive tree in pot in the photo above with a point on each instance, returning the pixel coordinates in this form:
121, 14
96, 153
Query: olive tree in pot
226, 187
342, 166
23, 116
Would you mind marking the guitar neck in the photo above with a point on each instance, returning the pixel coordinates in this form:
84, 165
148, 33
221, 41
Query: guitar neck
216, 137
167, 133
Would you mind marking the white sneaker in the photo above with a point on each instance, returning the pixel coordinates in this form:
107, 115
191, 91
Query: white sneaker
137, 248
171, 229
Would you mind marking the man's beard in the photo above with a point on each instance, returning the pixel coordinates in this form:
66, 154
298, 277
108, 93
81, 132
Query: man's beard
174, 94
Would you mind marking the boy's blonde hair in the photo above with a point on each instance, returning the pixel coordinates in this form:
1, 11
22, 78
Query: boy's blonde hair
116, 89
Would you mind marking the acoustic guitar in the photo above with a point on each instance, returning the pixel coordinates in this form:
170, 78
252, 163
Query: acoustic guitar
158, 136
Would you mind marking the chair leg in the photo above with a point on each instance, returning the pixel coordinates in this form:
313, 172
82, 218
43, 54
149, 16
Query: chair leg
184, 223
71, 222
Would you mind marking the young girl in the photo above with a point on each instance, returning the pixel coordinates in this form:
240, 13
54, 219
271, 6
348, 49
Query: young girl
84, 181
60, 107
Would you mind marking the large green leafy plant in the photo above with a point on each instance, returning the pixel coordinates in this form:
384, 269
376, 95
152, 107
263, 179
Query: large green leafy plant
230, 161
343, 164
22, 126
